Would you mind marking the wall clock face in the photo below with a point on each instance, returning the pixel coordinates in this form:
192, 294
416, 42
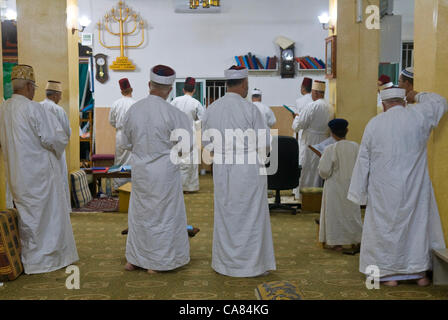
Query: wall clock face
101, 68
288, 55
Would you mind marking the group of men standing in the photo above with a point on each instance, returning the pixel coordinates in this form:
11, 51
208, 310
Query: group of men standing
388, 173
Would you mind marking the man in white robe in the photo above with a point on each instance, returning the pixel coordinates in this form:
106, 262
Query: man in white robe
33, 142
406, 80
402, 223
242, 236
116, 117
157, 220
301, 103
54, 95
313, 120
267, 113
340, 219
194, 110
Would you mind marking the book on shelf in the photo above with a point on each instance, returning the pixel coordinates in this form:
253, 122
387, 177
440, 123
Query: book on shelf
308, 62
252, 62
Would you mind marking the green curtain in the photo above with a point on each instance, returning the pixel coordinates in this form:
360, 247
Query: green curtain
7, 85
390, 69
83, 76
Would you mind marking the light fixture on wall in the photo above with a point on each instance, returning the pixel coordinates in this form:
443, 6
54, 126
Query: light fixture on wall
324, 18
194, 4
83, 22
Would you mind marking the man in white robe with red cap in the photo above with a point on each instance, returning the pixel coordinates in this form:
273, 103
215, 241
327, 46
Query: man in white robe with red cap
402, 223
53, 92
313, 120
33, 141
242, 236
116, 116
194, 111
157, 220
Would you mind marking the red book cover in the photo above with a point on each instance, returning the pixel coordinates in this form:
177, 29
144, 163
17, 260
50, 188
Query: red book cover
302, 64
316, 62
241, 61
308, 66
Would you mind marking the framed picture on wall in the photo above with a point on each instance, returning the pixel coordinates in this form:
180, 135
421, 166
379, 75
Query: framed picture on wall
330, 57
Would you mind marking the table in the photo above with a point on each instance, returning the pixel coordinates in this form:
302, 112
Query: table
97, 176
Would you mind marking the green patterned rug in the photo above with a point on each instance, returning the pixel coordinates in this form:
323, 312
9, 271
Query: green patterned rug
318, 273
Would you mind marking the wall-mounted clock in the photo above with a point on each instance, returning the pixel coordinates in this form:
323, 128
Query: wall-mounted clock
287, 69
102, 74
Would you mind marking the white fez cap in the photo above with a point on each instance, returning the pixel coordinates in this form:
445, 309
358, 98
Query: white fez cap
392, 93
408, 72
387, 85
256, 92
319, 85
161, 79
234, 74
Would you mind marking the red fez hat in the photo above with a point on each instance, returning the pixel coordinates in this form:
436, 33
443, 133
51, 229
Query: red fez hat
190, 81
383, 79
162, 70
124, 84
307, 82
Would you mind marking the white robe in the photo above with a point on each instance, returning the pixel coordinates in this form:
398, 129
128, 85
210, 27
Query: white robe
157, 219
116, 116
340, 219
194, 110
313, 120
33, 141
402, 222
242, 237
301, 105
267, 113
60, 114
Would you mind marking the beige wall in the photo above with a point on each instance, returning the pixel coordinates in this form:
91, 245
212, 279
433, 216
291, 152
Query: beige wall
353, 93
45, 43
431, 69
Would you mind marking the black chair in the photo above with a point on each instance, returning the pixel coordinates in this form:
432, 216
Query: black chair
286, 151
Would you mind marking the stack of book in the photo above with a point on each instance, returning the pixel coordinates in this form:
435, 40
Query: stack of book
252, 62
310, 63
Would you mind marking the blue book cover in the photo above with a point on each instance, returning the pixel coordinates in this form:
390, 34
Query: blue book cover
321, 63
237, 61
255, 63
246, 62
267, 63
311, 63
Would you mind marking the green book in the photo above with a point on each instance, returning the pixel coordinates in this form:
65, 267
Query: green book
289, 109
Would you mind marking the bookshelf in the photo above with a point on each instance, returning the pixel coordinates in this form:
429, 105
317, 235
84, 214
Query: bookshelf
310, 70
263, 72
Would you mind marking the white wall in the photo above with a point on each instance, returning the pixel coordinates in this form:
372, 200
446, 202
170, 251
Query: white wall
405, 8
203, 45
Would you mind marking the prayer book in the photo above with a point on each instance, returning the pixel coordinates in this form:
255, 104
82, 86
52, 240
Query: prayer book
320, 148
289, 109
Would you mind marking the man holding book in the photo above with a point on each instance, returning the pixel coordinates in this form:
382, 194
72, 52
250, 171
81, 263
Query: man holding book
313, 120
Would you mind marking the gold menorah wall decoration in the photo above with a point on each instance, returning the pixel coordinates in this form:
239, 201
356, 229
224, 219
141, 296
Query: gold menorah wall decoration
122, 15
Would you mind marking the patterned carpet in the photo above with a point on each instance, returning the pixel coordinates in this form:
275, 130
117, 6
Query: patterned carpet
319, 273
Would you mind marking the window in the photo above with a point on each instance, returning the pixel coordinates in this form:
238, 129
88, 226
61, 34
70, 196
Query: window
407, 55
215, 89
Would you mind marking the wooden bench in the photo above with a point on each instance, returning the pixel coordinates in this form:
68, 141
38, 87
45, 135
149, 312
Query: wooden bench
440, 267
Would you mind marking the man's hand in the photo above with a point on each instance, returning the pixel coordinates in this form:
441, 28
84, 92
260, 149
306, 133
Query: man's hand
410, 97
295, 115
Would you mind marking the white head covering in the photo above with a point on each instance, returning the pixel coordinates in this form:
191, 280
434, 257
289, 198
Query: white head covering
319, 85
392, 93
387, 85
234, 74
408, 72
256, 91
157, 75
